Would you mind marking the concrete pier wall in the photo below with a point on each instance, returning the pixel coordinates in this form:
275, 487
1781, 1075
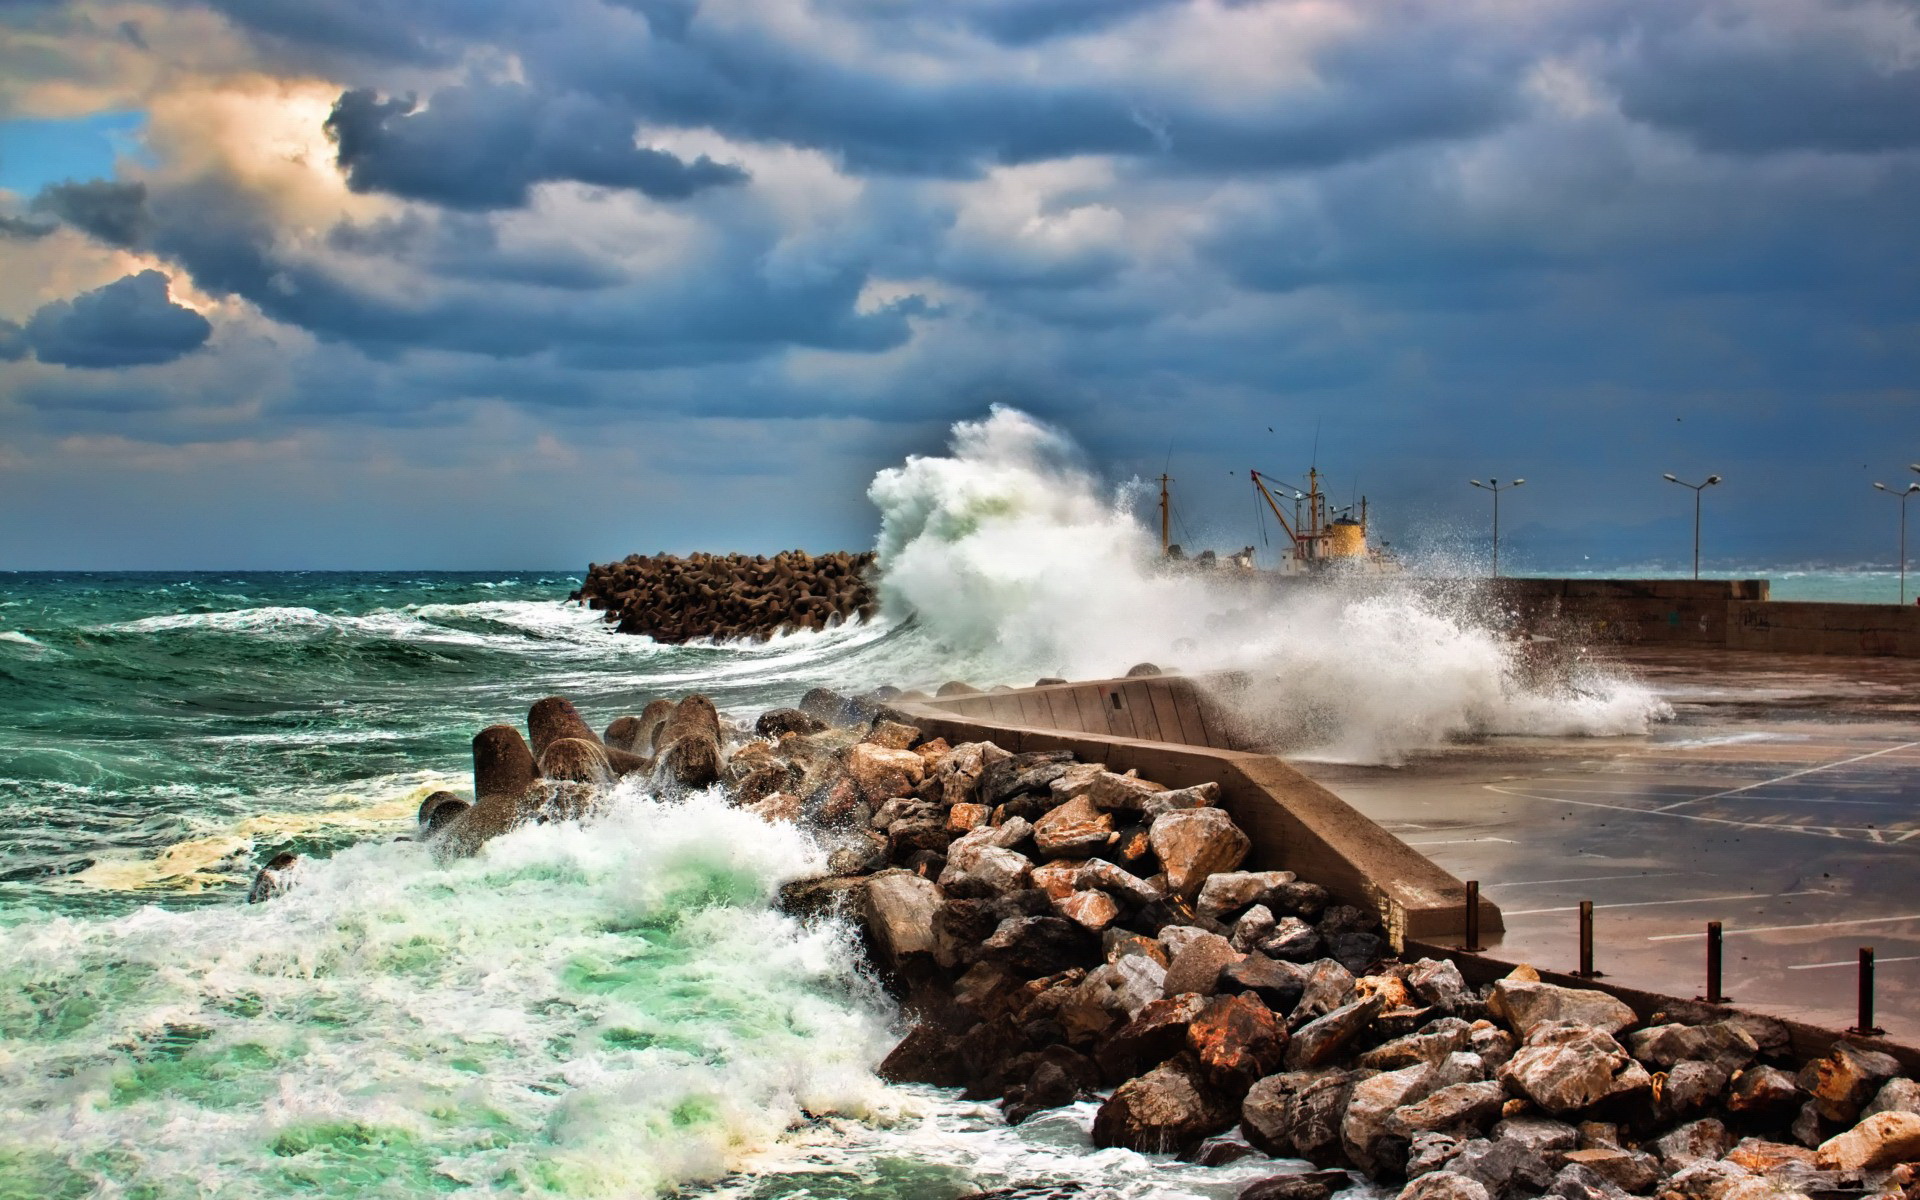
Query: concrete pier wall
1631, 611
1875, 630
1731, 613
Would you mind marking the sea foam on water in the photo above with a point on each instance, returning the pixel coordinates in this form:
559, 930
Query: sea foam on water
604, 1009
1010, 557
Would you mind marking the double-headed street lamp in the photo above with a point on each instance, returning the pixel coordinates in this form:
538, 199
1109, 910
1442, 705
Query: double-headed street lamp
1903, 498
1496, 487
1697, 489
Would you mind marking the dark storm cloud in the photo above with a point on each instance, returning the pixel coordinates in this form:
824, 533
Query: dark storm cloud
420, 32
722, 308
114, 212
21, 229
1367, 99
130, 322
1734, 81
482, 147
13, 342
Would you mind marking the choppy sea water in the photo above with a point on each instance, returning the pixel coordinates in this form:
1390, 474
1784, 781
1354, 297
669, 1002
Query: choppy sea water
612, 1010
615, 1010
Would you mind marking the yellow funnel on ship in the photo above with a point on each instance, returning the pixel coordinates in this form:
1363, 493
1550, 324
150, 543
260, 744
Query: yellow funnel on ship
1346, 538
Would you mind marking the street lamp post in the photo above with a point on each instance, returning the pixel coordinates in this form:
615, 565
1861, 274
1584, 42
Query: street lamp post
1496, 487
1902, 497
1697, 489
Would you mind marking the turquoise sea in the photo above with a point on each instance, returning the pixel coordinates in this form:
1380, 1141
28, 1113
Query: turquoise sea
606, 1011
610, 1011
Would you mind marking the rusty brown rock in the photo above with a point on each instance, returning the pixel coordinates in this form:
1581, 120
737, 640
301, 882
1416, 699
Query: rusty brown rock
1075, 827
1195, 843
1236, 1040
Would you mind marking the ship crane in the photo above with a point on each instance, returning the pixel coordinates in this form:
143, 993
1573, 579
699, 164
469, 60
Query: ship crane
1315, 539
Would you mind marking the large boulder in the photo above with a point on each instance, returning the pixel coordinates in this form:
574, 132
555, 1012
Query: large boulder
777, 722
1324, 1041
1629, 1170
1364, 1131
1118, 881
1764, 1094
1114, 993
1439, 984
1698, 1141
1527, 1004
881, 774
1299, 1114
1035, 946
1329, 986
1194, 844
898, 908
1230, 891
1898, 1095
1277, 983
1724, 1043
1236, 1040
1881, 1140
1166, 1111
1431, 1043
1092, 911
1125, 792
1197, 965
1076, 827
1442, 1185
929, 1054
985, 869
1568, 1069
1472, 1105
1687, 1090
1842, 1081
1152, 1037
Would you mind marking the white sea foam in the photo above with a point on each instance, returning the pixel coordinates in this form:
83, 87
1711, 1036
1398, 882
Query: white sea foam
606, 1009
1015, 563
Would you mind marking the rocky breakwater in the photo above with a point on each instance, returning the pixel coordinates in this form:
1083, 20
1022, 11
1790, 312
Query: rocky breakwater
1060, 932
731, 596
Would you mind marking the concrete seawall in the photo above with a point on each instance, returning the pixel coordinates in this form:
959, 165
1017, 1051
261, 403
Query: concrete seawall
1732, 613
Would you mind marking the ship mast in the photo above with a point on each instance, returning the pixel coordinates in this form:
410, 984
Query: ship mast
1165, 512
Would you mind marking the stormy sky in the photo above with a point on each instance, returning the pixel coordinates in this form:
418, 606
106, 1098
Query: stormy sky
485, 283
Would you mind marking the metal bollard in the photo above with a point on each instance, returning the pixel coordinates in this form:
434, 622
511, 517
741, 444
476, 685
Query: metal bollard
1473, 945
1586, 940
1866, 1024
1714, 994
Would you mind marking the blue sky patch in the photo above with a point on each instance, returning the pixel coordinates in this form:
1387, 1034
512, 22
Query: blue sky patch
37, 151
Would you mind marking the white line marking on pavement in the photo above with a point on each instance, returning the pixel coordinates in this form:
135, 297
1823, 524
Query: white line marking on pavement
1797, 774
1833, 831
1464, 841
1531, 912
1675, 937
1852, 962
1588, 878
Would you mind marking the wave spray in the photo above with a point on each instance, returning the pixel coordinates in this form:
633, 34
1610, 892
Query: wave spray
1013, 559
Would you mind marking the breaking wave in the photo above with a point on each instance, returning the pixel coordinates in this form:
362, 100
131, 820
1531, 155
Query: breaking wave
609, 1009
1015, 561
